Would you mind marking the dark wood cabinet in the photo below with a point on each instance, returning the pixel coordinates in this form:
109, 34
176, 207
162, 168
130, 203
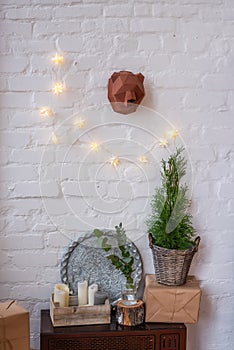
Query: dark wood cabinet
150, 336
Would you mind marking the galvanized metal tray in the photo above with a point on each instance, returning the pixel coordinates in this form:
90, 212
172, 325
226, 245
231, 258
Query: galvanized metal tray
84, 260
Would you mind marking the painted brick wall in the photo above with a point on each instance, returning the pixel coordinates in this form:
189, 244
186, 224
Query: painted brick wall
185, 50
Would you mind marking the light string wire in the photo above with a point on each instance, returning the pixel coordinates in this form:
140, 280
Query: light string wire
59, 86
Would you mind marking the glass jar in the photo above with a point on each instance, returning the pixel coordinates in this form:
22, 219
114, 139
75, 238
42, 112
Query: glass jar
129, 294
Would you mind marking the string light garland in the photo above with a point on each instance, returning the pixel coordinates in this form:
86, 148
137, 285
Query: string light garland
94, 146
143, 159
54, 138
45, 112
115, 161
163, 143
57, 59
79, 123
58, 88
172, 134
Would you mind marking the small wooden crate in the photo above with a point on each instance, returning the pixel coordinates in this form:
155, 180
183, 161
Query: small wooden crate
75, 315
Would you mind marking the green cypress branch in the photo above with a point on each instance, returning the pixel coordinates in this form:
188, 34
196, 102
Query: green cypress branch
170, 224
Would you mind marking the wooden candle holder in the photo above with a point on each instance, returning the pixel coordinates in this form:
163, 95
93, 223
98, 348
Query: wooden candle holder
75, 315
130, 315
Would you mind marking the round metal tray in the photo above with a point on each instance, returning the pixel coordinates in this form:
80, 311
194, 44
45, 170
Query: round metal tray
84, 260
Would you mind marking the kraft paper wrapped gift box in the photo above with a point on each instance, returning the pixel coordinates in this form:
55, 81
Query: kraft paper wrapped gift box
172, 304
14, 327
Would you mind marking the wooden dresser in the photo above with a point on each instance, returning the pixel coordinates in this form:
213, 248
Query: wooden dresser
149, 336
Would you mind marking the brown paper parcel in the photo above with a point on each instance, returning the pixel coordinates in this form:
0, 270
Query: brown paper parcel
170, 303
14, 327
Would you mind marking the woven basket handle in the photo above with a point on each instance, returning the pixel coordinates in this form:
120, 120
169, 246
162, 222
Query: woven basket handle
150, 240
197, 241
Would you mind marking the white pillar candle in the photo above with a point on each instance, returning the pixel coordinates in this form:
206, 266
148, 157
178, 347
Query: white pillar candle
82, 293
61, 295
92, 290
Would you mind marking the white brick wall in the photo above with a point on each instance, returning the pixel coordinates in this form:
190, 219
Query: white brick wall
185, 50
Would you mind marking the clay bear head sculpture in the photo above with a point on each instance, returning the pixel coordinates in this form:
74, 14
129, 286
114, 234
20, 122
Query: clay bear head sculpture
125, 91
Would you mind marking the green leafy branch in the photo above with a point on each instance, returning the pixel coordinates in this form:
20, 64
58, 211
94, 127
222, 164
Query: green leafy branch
123, 263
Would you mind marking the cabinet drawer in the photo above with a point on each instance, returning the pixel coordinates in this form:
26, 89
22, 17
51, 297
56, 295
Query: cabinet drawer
141, 342
170, 342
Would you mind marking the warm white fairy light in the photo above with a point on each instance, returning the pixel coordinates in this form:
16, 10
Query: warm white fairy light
57, 59
94, 146
163, 143
79, 123
45, 111
58, 88
115, 161
172, 134
143, 159
54, 138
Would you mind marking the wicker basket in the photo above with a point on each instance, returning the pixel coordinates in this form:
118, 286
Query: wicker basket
172, 266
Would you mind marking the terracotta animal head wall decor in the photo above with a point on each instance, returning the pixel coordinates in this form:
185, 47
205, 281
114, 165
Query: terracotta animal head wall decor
125, 91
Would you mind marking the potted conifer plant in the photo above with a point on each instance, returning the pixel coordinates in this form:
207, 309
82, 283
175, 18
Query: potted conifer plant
171, 233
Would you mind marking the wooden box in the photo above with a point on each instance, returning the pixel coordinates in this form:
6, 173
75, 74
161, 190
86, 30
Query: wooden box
75, 315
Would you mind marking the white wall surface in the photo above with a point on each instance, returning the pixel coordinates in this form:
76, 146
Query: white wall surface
185, 49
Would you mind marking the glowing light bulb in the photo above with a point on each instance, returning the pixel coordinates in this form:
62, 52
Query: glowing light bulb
172, 134
95, 146
58, 88
45, 111
54, 138
79, 123
115, 161
163, 143
143, 159
57, 59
